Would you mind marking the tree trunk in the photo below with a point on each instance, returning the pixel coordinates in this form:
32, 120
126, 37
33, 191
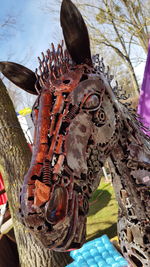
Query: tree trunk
15, 157
133, 76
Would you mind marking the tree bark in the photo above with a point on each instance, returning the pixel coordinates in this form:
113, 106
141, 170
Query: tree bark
15, 157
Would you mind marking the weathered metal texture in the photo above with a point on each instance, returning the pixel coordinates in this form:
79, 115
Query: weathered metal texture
61, 177
130, 162
79, 123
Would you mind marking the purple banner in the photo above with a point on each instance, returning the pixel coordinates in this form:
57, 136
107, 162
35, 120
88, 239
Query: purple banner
144, 101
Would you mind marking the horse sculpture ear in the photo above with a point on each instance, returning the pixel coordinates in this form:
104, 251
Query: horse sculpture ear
75, 33
19, 75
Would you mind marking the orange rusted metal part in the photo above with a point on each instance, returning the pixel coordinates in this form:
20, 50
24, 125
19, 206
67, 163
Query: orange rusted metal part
58, 148
58, 104
59, 164
41, 193
43, 124
55, 134
68, 81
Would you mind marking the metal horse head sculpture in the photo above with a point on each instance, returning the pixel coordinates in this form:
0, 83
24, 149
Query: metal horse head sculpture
79, 123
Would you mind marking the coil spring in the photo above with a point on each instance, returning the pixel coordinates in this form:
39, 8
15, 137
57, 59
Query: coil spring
71, 113
47, 173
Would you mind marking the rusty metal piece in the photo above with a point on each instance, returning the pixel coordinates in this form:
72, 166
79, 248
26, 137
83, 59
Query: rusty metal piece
54, 139
129, 235
41, 193
59, 165
58, 147
47, 173
124, 196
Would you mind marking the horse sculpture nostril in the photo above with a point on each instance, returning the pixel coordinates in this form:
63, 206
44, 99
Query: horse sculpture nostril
66, 81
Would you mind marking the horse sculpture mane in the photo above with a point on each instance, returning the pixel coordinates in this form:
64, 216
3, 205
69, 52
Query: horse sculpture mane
79, 123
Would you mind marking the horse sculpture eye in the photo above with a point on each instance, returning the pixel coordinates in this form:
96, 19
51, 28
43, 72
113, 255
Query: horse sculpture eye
92, 102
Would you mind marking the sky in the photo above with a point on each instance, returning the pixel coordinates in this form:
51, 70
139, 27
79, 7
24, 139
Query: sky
36, 28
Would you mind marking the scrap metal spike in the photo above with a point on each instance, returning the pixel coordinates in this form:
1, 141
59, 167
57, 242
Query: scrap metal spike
41, 82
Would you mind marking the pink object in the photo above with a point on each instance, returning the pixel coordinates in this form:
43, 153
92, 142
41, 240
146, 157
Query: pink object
3, 197
144, 101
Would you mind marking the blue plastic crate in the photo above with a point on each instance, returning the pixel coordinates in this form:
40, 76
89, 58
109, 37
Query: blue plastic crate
99, 252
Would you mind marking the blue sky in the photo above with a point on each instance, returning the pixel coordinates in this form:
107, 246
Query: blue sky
35, 30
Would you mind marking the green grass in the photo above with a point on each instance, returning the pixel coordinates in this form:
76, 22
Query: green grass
102, 216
